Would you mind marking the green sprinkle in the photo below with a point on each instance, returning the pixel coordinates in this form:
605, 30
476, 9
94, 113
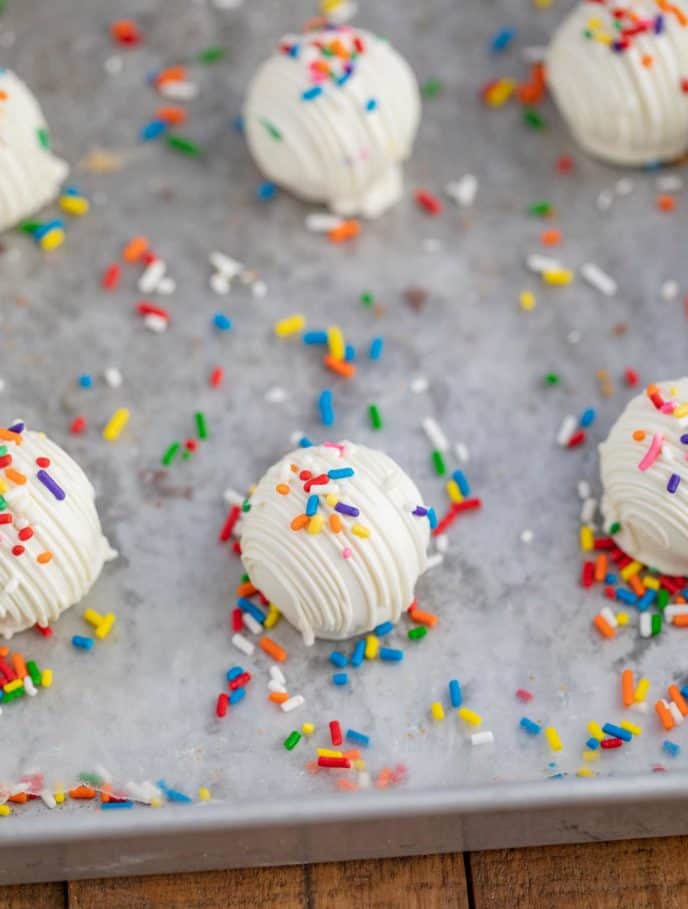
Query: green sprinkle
432, 88
552, 378
246, 505
211, 54
271, 129
186, 454
615, 528
34, 672
13, 695
183, 144
292, 740
43, 137
375, 418
170, 454
656, 624
29, 227
533, 119
438, 463
662, 598
367, 299
201, 427
3, 451
93, 779
541, 209
417, 634
3, 503
245, 578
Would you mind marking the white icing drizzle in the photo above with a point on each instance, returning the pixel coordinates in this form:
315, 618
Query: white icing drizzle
654, 522
618, 108
333, 149
318, 590
30, 174
31, 592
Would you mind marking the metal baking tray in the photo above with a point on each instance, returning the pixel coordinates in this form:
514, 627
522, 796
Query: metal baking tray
512, 614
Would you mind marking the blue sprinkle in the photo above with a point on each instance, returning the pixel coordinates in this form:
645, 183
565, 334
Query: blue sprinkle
315, 337
530, 726
173, 795
312, 505
391, 655
341, 678
86, 381
222, 322
251, 608
326, 408
593, 744
455, 695
152, 130
234, 673
237, 695
502, 39
349, 353
338, 659
383, 629
305, 442
40, 232
294, 50
647, 600
376, 346
671, 748
72, 191
459, 477
358, 738
358, 655
340, 473
684, 691
266, 191
343, 79
626, 596
371, 105
611, 578
238, 124
113, 806
432, 518
588, 417
312, 93
84, 643
617, 732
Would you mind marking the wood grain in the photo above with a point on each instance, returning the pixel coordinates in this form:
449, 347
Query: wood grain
421, 882
34, 896
246, 888
636, 874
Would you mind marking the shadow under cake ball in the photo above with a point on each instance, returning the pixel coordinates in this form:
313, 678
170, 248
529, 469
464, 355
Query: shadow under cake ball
336, 537
30, 174
331, 115
645, 478
619, 75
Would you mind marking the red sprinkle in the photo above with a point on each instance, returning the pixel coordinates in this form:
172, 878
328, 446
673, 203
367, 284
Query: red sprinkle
18, 550
78, 425
456, 509
217, 377
43, 462
146, 308
588, 574
611, 743
111, 276
604, 543
222, 704
25, 534
191, 445
336, 733
576, 439
45, 630
236, 547
240, 680
237, 620
565, 164
5, 518
148, 257
228, 526
427, 201
524, 695
631, 377
334, 762
125, 31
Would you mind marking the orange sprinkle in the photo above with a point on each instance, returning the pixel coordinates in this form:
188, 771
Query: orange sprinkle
601, 563
3, 95
338, 48
666, 203
335, 523
82, 792
8, 436
278, 697
283, 489
533, 91
171, 74
4, 651
639, 435
312, 767
341, 367
347, 785
423, 618
15, 476
384, 778
550, 237
272, 649
647, 60
678, 699
664, 715
19, 798
681, 621
603, 626
651, 389
135, 248
679, 599
294, 468
19, 665
627, 687
299, 522
636, 585
353, 755
44, 557
347, 230
171, 114
105, 791
246, 589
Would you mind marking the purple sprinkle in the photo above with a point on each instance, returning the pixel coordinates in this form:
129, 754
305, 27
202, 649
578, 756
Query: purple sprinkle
17, 427
420, 511
684, 438
50, 484
347, 509
674, 480
659, 25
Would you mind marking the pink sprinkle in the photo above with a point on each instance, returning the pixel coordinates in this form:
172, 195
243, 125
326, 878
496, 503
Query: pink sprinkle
340, 448
523, 695
653, 452
668, 407
347, 552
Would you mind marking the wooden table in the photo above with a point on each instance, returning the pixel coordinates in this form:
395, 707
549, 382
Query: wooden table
638, 874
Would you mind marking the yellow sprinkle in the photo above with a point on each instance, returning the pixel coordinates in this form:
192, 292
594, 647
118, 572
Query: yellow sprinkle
651, 583
371, 647
46, 678
587, 538
59, 796
156, 803
360, 531
335, 342
641, 690
5, 810
74, 205
681, 411
469, 716
595, 730
13, 686
499, 93
584, 771
437, 711
595, 23
622, 618
315, 524
116, 424
358, 764
105, 627
631, 727
204, 794
454, 493
308, 728
3, 486
630, 570
542, 4
329, 752
273, 616
331, 499
291, 325
558, 277
329, 6
590, 755
527, 300
53, 239
553, 739
92, 617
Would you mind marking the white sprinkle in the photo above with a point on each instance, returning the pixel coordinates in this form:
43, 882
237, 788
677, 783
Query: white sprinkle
539, 264
276, 395
259, 289
435, 435
227, 266
29, 686
669, 290
527, 536
155, 323
152, 275
434, 560
232, 497
113, 66
103, 773
419, 384
251, 623
463, 191
566, 430
274, 685
363, 779
669, 183
675, 712
138, 791
113, 377
583, 489
166, 286
179, 91
48, 798
624, 186
588, 509
238, 528
607, 614
675, 609
297, 701
645, 625
598, 279
482, 738
277, 675
2, 385
342, 12
321, 222
219, 284
573, 337
442, 542
11, 585
605, 200
640, 706
533, 53
461, 451
243, 644
667, 453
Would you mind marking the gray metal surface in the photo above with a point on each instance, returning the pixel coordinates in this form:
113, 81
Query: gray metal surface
512, 615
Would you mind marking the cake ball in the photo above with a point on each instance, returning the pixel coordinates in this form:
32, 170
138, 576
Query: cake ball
619, 74
336, 538
52, 547
30, 174
331, 115
645, 478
